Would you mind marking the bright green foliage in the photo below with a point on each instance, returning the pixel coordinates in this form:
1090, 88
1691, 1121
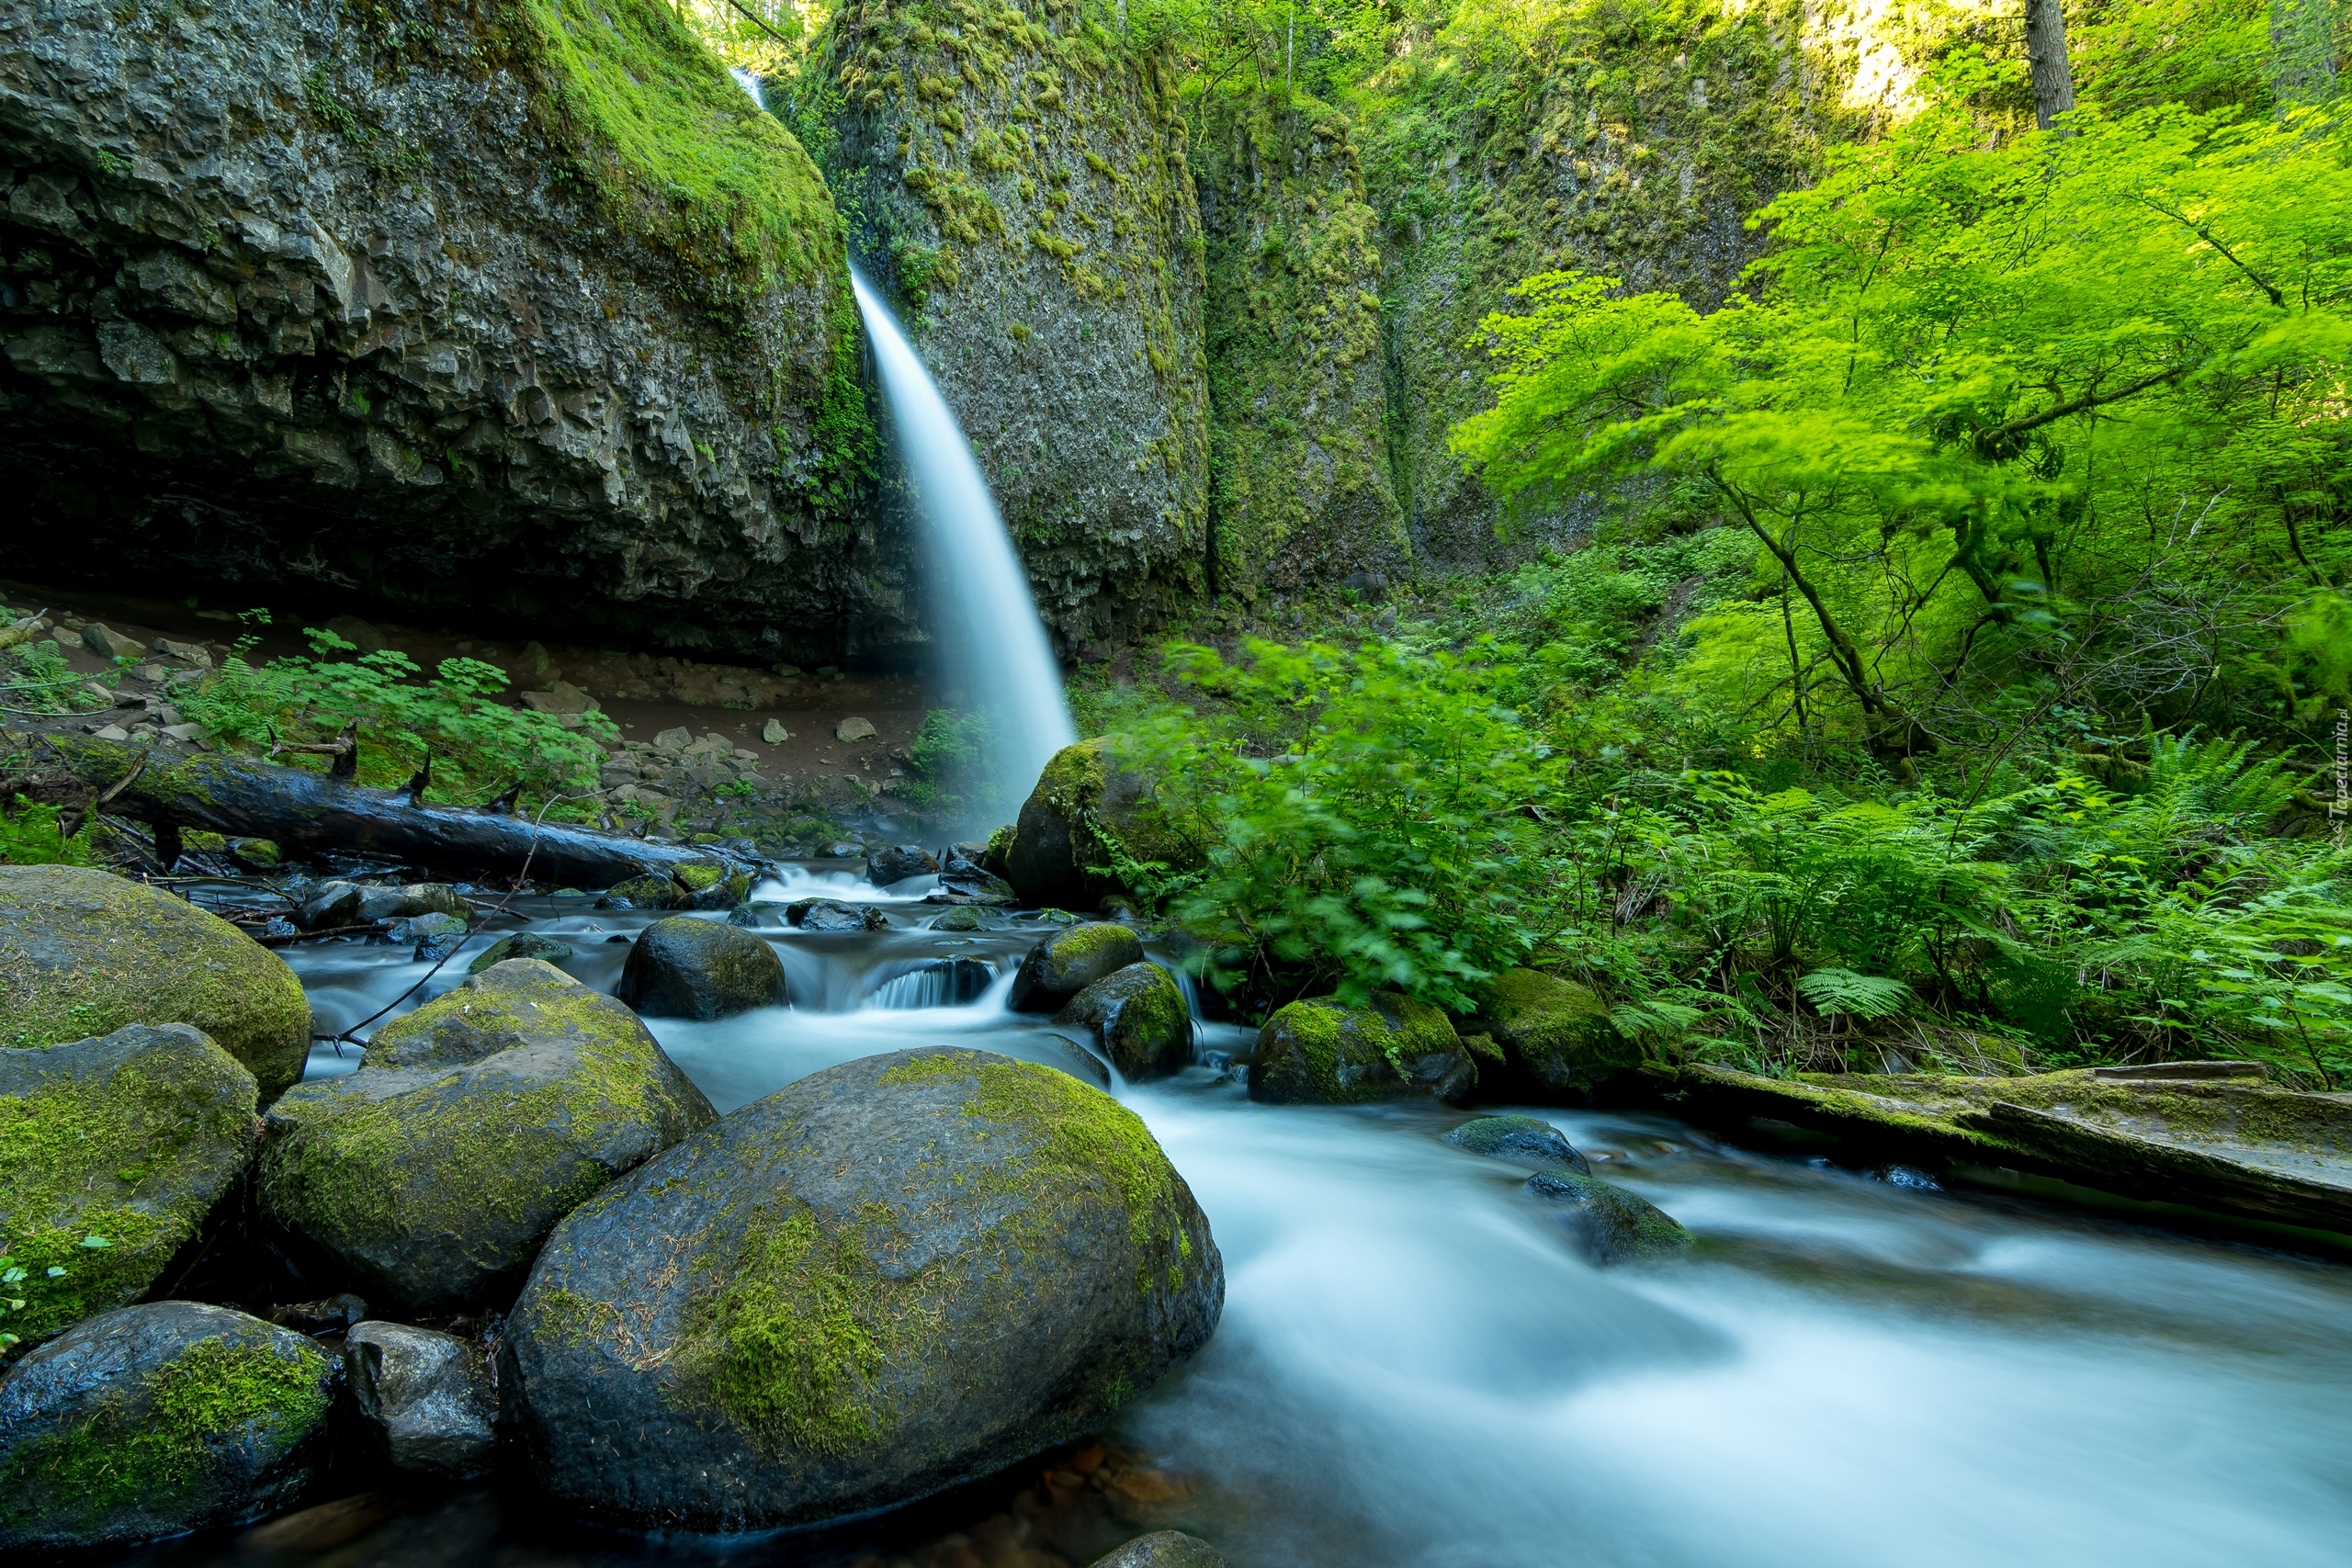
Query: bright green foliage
30, 836
1366, 818
478, 745
35, 678
1994, 416
958, 765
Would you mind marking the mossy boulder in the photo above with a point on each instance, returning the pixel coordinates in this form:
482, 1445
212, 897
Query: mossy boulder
522, 944
683, 967
1071, 960
112, 1151
1164, 1549
1087, 794
1320, 1051
1611, 1225
85, 953
471, 1126
1523, 1140
647, 892
1138, 1017
895, 1275
155, 1421
1554, 1032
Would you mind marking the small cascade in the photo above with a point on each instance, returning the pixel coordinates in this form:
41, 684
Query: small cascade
992, 641
750, 84
942, 983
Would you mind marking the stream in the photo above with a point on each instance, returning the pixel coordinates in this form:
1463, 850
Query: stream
1414, 1367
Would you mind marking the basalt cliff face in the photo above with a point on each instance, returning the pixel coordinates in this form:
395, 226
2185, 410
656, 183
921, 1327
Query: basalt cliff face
469, 307
1015, 174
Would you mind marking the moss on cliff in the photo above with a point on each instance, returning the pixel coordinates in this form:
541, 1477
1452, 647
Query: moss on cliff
1297, 381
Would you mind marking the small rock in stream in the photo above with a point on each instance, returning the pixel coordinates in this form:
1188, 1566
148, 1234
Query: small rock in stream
1068, 960
522, 944
896, 862
1523, 1139
833, 915
427, 1397
1163, 1548
1139, 1019
1613, 1225
681, 967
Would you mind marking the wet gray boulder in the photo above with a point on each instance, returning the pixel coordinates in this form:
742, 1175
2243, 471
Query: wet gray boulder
892, 1276
1320, 1051
1068, 961
130, 1139
1520, 1139
970, 918
833, 915
683, 967
471, 1126
427, 1398
1610, 1224
896, 862
522, 944
1164, 1549
1139, 1019
156, 1420
968, 884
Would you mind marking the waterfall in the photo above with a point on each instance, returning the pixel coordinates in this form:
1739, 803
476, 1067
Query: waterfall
750, 84
991, 641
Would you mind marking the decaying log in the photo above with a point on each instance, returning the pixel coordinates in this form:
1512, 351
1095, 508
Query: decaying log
301, 810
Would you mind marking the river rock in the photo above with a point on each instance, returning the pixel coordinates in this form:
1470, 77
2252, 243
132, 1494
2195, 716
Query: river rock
522, 944
86, 953
1319, 1052
471, 1126
970, 918
1613, 1224
1071, 960
157, 1420
683, 967
1520, 1139
891, 1276
128, 1139
833, 915
648, 891
1164, 1549
1087, 792
711, 885
1555, 1032
427, 1398
1139, 1019
896, 862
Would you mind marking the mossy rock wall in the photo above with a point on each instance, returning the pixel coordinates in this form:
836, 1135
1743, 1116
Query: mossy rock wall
1014, 175
1300, 486
1626, 140
85, 953
514, 306
899, 1273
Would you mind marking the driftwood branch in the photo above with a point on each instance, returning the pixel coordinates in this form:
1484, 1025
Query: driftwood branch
301, 810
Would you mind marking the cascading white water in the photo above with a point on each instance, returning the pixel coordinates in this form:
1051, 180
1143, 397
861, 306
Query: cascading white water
995, 645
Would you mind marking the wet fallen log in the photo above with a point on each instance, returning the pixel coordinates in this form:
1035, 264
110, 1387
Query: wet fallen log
300, 810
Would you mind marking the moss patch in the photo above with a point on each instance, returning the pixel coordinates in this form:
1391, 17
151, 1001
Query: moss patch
1321, 1052
85, 953
150, 1445
1560, 1030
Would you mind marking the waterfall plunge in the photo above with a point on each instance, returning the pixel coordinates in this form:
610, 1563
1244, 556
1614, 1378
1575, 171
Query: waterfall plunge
993, 642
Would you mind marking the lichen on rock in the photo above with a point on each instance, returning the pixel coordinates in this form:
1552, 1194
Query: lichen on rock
85, 953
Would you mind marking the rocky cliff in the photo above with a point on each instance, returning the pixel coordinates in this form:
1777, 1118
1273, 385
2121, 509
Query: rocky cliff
458, 305
1298, 376
1015, 174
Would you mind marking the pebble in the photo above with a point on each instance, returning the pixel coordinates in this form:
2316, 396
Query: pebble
774, 733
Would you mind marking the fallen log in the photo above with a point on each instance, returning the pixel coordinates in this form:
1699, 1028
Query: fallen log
301, 810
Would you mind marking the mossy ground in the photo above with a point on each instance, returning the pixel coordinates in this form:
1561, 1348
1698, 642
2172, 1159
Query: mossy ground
83, 952
81, 1189
149, 1447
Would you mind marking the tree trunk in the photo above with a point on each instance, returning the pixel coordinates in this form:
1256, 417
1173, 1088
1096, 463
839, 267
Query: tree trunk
298, 810
2045, 46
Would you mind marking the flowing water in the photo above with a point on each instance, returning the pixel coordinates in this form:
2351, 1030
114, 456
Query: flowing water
995, 646
1417, 1367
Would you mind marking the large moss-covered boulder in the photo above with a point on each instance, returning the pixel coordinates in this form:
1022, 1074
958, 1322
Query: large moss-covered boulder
1086, 792
86, 953
1138, 1017
1555, 1032
1023, 192
683, 967
518, 309
112, 1151
155, 1421
894, 1275
1320, 1051
1068, 961
471, 1126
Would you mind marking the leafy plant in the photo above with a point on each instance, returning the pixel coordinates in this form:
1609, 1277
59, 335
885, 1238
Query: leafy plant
30, 836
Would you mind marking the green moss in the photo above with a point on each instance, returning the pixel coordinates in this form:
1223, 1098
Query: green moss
1560, 1030
1319, 1051
151, 1445
1080, 943
83, 952
697, 875
674, 151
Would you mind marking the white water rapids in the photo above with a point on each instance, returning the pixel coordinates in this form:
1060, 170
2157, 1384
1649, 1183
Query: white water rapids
1416, 1369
